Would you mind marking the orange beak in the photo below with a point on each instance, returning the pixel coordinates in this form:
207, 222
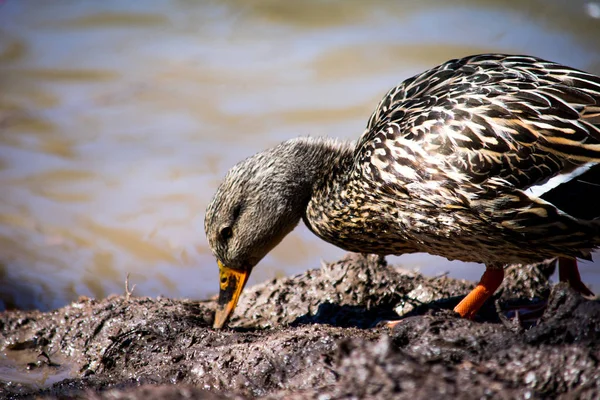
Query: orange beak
231, 284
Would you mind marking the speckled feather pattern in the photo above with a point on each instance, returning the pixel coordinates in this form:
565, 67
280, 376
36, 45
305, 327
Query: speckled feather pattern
447, 159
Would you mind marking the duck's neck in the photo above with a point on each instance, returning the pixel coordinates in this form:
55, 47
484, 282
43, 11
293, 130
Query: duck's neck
312, 166
319, 162
325, 166
332, 202
328, 198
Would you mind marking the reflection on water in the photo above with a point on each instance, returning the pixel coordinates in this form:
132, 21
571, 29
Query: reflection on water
28, 368
118, 119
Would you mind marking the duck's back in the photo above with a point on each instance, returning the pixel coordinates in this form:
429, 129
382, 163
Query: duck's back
509, 145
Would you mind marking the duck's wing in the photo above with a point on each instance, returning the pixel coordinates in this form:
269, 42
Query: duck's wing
491, 123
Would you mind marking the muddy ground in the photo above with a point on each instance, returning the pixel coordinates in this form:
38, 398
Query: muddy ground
318, 335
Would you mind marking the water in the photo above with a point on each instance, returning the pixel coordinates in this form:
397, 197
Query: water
118, 120
27, 368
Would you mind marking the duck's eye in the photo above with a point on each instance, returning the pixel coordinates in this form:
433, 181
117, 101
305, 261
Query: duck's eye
226, 233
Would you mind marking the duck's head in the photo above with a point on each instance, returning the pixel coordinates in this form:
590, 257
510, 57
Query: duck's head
260, 201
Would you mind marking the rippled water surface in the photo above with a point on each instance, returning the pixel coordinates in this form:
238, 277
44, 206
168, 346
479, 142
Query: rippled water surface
118, 119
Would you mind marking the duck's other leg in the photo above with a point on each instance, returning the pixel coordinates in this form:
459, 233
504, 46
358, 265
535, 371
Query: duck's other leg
490, 281
568, 272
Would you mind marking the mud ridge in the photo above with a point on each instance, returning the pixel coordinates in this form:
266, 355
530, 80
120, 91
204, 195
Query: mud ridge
318, 335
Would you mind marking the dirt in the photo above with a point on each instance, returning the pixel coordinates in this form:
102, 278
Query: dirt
319, 335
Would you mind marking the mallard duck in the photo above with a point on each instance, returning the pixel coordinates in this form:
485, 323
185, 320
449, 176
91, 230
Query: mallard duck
490, 158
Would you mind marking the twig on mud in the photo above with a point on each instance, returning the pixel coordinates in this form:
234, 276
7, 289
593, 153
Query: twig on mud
443, 274
128, 291
515, 325
49, 362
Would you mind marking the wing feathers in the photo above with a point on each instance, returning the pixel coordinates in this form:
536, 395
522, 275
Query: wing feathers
518, 119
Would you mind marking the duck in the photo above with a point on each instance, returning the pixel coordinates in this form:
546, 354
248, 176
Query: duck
490, 158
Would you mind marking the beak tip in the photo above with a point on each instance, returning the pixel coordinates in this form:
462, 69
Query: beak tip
222, 316
218, 325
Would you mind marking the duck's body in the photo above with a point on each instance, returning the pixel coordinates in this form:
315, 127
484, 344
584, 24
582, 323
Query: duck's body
491, 158
462, 152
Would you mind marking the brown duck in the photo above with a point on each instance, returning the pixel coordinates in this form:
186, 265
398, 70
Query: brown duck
490, 158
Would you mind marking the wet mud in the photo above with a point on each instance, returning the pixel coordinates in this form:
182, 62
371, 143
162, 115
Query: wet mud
318, 335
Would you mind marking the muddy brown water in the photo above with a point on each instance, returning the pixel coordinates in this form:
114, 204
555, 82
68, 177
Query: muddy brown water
118, 119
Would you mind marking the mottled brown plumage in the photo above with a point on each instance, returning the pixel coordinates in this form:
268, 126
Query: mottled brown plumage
490, 158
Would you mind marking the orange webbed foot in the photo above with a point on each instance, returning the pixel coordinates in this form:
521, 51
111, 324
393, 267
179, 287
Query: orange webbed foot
490, 281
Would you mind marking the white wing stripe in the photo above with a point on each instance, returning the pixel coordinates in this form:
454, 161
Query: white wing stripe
544, 187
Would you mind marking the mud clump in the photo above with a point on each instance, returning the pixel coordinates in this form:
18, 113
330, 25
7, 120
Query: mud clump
318, 335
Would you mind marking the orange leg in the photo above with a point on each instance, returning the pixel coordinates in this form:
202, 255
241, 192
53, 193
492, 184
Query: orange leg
490, 281
568, 272
468, 307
